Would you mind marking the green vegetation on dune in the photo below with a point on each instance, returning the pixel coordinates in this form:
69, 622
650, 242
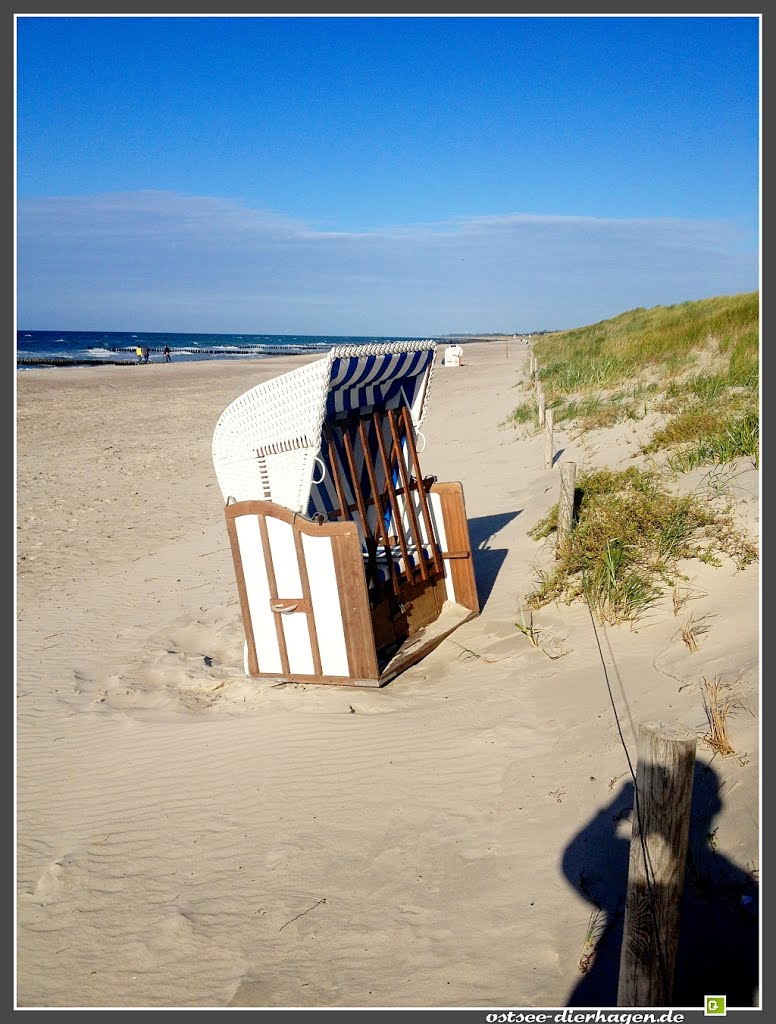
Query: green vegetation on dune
697, 366
696, 362
629, 537
664, 339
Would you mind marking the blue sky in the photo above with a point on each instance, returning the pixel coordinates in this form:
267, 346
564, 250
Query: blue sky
388, 175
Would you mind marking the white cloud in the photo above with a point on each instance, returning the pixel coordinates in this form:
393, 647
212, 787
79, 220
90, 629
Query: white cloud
170, 262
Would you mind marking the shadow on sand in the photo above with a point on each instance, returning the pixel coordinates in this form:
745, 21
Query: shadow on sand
488, 560
718, 931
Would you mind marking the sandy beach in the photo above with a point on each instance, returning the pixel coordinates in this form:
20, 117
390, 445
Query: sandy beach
188, 837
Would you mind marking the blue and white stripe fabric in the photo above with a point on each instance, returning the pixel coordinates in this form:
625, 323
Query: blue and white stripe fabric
386, 378
377, 381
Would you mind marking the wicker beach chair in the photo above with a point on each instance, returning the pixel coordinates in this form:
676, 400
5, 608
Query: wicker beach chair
350, 564
453, 356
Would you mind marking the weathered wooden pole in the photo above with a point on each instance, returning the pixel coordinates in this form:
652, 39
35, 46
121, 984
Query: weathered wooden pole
549, 444
540, 398
658, 851
568, 480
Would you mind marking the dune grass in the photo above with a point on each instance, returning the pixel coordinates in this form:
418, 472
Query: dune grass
665, 338
697, 364
629, 538
737, 437
689, 361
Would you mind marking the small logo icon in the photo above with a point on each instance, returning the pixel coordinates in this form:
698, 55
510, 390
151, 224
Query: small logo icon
714, 1006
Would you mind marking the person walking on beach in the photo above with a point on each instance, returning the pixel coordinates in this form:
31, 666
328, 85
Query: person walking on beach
146, 353
167, 357
139, 354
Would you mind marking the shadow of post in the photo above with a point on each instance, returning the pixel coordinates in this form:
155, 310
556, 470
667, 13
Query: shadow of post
718, 949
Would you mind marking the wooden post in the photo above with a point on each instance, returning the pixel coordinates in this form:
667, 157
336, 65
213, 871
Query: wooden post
658, 851
568, 479
541, 405
549, 444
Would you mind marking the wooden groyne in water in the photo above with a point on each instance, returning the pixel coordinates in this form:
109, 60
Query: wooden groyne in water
245, 350
97, 361
259, 350
71, 361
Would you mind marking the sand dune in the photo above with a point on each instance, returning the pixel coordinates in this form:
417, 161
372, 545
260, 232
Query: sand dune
190, 838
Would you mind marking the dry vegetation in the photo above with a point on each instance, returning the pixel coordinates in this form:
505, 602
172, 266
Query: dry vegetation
720, 702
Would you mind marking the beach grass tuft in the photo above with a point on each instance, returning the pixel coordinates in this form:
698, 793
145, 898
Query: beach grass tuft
631, 534
720, 702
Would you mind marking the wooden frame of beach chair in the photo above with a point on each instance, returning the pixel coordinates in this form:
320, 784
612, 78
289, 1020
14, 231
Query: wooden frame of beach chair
350, 565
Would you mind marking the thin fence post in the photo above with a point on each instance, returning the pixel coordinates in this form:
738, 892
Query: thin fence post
549, 444
658, 851
540, 395
568, 479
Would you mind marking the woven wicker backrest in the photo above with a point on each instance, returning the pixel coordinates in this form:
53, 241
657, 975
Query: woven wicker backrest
265, 442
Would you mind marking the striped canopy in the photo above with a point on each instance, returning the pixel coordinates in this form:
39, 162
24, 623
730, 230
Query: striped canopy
379, 381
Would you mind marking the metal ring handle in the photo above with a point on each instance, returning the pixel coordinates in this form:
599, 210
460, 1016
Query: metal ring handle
320, 462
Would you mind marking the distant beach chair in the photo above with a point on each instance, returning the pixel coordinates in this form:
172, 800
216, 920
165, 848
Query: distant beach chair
350, 564
453, 356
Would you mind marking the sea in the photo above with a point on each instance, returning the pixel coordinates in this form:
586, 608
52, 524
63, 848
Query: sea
35, 349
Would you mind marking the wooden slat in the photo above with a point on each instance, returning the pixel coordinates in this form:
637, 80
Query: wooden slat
381, 510
310, 527
273, 593
354, 607
370, 539
392, 495
350, 455
422, 498
457, 534
242, 590
300, 557
413, 519
336, 473
298, 677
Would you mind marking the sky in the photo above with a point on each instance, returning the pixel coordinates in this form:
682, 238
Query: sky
357, 175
